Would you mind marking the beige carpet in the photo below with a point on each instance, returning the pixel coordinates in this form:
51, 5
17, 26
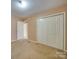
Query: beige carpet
23, 49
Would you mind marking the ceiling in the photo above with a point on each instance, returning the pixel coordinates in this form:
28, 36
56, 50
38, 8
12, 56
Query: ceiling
34, 6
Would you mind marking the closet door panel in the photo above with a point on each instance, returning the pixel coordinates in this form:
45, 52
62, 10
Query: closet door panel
50, 31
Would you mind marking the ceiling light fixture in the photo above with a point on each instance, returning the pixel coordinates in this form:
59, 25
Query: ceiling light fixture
22, 3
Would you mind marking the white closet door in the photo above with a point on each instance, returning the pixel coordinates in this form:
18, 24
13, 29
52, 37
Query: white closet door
22, 32
50, 31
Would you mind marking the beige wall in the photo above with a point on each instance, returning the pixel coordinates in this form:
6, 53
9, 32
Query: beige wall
31, 28
14, 28
32, 20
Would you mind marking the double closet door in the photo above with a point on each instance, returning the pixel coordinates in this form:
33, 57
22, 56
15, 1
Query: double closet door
50, 30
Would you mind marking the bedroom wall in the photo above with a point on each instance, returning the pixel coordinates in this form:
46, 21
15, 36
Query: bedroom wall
14, 28
32, 20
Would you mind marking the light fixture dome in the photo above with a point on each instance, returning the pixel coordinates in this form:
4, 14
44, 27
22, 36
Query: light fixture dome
22, 4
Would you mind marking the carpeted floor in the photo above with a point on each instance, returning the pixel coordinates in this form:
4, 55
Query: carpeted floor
23, 49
